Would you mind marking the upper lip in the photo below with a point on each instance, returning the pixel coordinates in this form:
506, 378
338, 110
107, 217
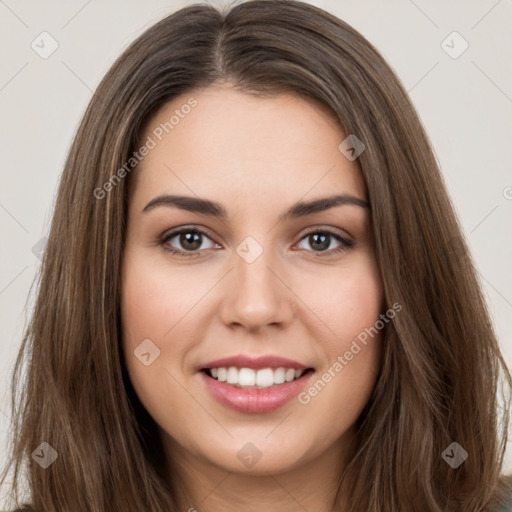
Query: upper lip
256, 363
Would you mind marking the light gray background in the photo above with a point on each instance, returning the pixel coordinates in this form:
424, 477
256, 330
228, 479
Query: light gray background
465, 104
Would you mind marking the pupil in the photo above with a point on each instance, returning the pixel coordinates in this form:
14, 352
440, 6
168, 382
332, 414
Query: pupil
187, 238
324, 244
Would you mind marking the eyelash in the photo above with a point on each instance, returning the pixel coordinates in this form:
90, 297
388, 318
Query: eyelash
164, 240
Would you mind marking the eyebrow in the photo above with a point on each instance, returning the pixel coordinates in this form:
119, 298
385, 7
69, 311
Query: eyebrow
299, 209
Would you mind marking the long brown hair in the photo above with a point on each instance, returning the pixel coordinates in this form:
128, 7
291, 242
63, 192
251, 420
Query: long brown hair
442, 370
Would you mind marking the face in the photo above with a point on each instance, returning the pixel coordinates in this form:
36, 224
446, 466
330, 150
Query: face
240, 316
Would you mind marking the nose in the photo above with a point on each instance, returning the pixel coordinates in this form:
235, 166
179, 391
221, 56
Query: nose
256, 294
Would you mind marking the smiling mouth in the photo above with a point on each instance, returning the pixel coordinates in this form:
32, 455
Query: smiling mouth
248, 378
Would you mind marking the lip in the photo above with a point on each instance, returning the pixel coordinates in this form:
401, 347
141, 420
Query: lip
256, 363
255, 401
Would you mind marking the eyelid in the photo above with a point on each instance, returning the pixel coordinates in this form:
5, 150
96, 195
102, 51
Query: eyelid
329, 229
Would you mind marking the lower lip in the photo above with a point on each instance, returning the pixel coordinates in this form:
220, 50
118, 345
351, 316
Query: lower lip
255, 400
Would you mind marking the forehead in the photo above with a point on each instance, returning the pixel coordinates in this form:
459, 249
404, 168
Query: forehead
225, 144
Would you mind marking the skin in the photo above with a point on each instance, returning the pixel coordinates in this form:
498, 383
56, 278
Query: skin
256, 156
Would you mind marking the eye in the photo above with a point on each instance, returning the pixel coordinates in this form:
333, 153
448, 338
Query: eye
190, 239
191, 242
320, 240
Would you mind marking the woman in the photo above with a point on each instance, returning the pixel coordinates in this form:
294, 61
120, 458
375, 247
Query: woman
261, 370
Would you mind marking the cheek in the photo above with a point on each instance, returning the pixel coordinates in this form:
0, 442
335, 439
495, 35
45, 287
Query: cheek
348, 303
150, 309
359, 304
350, 306
153, 301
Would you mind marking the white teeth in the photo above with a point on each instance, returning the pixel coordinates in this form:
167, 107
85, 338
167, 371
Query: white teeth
232, 377
247, 377
265, 378
290, 374
279, 375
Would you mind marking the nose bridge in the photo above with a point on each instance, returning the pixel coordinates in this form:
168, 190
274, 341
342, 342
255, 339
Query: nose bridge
253, 276
256, 296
